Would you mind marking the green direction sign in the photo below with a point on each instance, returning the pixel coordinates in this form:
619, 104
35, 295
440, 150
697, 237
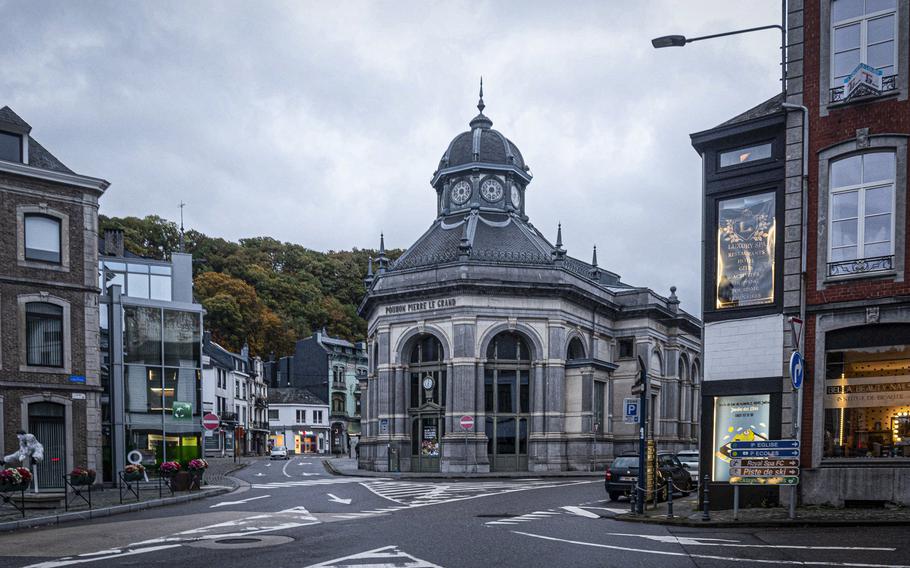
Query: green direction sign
182, 410
764, 471
786, 480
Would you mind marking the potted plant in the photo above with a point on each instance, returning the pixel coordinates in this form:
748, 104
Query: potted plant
133, 472
168, 469
82, 476
197, 469
14, 479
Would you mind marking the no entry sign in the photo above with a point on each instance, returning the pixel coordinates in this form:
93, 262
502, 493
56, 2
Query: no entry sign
210, 421
467, 422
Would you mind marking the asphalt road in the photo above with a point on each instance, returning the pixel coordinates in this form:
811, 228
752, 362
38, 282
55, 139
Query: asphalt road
293, 514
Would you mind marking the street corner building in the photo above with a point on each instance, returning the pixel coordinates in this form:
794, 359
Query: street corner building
805, 227
491, 349
50, 381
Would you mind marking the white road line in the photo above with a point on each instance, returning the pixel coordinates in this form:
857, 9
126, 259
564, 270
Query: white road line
385, 557
612, 510
581, 512
696, 541
284, 470
228, 503
777, 562
56, 563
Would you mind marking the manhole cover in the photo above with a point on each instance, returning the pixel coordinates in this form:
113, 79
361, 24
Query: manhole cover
237, 540
241, 542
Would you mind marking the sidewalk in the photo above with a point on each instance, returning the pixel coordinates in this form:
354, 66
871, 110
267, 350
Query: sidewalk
348, 466
106, 501
686, 513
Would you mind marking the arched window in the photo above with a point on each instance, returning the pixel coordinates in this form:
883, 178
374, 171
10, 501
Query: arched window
428, 374
507, 400
576, 350
338, 403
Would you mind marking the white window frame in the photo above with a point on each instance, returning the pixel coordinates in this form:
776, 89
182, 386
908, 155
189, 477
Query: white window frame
864, 20
861, 190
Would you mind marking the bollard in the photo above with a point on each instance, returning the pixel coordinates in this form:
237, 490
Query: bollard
632, 500
706, 515
670, 498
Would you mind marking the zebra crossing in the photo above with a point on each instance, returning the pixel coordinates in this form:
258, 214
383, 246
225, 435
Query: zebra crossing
309, 482
572, 510
385, 557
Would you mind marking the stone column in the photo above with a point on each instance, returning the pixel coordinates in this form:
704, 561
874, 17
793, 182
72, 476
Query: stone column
465, 389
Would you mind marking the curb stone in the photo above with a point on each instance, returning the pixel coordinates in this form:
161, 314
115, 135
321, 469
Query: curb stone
770, 523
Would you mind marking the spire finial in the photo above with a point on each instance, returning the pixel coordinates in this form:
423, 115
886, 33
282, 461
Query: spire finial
381, 243
594, 257
559, 236
370, 268
480, 105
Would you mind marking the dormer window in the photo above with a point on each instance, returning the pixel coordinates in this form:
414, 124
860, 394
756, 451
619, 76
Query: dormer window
10, 147
745, 155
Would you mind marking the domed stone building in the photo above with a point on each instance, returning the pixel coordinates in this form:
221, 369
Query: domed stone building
484, 318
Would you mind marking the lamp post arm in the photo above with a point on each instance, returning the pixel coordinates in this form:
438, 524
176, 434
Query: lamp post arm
712, 36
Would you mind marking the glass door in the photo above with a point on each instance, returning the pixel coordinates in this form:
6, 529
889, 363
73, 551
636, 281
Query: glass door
426, 441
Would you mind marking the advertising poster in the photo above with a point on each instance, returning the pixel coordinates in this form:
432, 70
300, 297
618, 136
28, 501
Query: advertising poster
745, 251
738, 419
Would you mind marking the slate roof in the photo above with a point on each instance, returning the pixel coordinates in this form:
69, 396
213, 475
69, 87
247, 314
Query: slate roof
293, 395
494, 149
38, 156
767, 108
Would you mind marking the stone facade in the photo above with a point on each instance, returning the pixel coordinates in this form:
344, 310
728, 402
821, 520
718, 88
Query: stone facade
483, 318
59, 401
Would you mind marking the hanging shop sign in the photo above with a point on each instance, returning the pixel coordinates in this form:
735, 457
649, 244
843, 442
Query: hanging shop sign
743, 418
745, 251
182, 410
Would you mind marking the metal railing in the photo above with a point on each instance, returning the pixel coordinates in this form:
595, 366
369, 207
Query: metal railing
837, 94
861, 265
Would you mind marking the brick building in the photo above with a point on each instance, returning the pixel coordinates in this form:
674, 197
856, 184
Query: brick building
49, 358
837, 256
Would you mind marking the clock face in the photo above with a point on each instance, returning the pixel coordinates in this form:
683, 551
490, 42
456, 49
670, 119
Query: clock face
491, 190
428, 383
461, 192
516, 197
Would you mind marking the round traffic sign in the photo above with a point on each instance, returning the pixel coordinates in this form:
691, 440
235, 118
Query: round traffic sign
467, 422
210, 421
797, 369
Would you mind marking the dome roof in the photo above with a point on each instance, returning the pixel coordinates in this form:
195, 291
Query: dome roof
482, 145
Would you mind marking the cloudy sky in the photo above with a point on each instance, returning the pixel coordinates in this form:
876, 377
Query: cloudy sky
321, 123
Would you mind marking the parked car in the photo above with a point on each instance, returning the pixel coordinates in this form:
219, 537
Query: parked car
279, 453
689, 459
621, 476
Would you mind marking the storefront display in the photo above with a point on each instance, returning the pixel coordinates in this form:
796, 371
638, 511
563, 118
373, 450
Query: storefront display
738, 419
867, 403
745, 251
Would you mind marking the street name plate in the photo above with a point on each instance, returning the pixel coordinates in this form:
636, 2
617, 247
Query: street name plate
763, 471
765, 445
764, 480
762, 462
764, 453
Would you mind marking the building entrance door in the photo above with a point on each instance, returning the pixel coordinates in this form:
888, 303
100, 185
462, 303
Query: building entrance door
427, 430
46, 421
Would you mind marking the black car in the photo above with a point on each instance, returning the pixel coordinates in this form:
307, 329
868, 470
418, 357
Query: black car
622, 474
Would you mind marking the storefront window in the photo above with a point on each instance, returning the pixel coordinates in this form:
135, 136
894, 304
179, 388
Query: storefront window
867, 402
745, 251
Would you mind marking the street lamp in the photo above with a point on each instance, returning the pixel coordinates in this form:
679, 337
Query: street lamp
681, 41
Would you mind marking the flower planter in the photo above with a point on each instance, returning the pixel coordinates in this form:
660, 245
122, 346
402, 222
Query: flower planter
83, 480
181, 481
133, 476
8, 488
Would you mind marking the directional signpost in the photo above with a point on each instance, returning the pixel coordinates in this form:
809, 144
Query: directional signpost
763, 462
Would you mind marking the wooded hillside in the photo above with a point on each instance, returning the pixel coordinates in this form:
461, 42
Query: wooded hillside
261, 290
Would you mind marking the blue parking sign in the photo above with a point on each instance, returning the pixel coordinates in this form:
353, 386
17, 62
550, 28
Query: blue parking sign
630, 410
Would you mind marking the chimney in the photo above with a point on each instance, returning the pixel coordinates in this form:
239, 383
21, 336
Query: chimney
113, 242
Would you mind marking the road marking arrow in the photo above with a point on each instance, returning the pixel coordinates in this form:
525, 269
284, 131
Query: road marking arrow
337, 499
226, 503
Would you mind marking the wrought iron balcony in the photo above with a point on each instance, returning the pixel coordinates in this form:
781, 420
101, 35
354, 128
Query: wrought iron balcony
861, 266
889, 83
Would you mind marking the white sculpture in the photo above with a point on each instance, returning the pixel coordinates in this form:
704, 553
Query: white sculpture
30, 449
